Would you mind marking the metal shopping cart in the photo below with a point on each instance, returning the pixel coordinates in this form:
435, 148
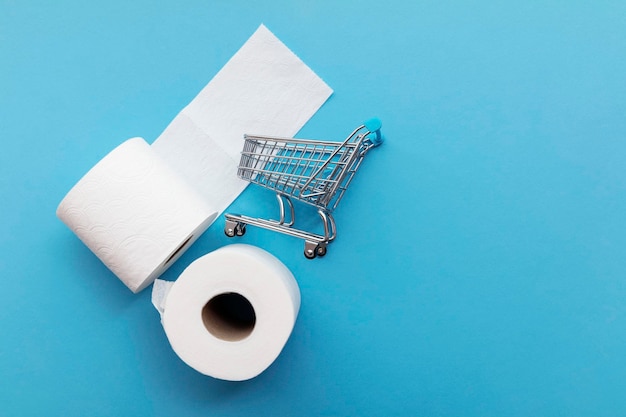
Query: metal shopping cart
314, 172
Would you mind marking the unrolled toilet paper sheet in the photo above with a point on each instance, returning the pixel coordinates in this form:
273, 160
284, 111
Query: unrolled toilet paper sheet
160, 290
264, 88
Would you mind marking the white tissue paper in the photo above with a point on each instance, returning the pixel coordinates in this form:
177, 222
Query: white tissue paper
135, 213
160, 290
230, 312
263, 89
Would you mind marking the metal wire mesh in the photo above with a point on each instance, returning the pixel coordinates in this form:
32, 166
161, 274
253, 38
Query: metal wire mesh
315, 172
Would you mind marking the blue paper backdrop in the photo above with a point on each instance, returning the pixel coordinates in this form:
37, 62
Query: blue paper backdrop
479, 268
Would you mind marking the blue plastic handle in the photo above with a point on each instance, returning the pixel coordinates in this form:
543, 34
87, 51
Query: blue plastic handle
373, 125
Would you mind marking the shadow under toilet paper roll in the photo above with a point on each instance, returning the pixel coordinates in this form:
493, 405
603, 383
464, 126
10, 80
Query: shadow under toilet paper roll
135, 213
230, 312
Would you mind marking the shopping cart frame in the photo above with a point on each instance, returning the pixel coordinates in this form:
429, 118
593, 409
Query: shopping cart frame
313, 172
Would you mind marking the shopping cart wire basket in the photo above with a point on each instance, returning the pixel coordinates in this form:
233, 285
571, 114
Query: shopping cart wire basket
314, 172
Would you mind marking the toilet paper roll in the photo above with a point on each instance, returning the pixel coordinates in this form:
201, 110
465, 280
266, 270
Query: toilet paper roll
231, 312
139, 215
135, 213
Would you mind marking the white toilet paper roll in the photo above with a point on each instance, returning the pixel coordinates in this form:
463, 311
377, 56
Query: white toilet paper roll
231, 312
135, 213
130, 220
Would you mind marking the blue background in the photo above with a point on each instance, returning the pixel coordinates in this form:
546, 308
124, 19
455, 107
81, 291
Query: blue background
479, 268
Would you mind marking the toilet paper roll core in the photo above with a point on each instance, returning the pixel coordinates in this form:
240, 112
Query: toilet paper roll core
229, 316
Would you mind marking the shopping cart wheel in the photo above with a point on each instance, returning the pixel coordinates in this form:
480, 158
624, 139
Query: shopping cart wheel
234, 228
240, 229
310, 250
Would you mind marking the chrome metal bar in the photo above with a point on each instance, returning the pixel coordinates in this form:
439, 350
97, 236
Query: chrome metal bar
276, 227
281, 205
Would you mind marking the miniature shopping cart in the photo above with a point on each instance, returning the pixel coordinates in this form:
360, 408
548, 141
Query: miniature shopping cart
314, 172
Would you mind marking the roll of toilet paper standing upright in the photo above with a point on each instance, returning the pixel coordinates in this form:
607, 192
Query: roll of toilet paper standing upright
231, 312
142, 206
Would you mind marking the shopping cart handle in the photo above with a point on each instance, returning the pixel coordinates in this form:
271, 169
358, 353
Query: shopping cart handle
373, 125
